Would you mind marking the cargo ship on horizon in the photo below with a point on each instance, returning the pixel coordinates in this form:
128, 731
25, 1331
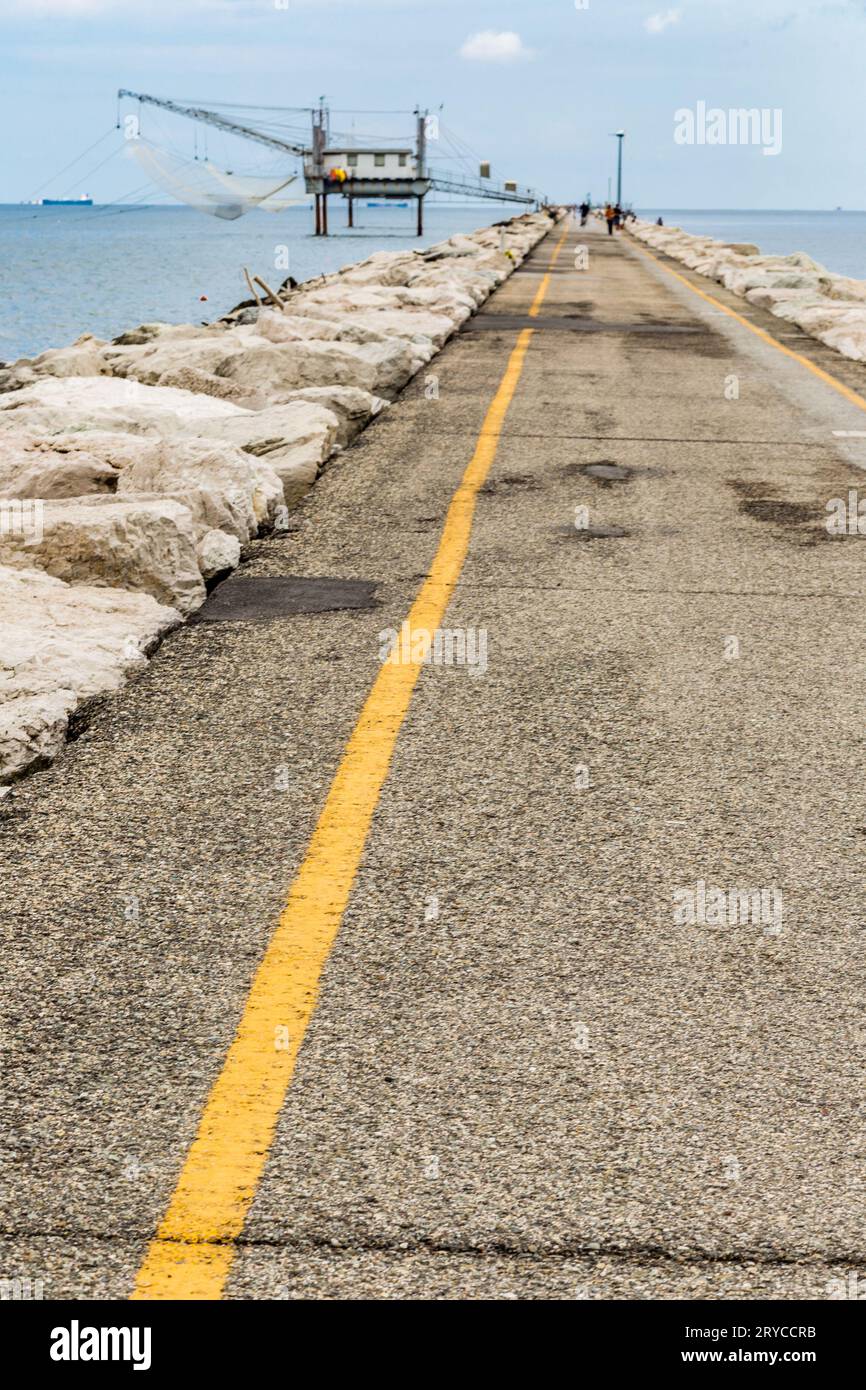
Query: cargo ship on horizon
85, 201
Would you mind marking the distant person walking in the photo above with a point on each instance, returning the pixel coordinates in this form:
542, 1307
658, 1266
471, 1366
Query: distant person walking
584, 213
609, 217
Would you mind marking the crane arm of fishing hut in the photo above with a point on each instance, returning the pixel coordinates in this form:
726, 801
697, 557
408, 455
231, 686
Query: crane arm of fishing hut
350, 171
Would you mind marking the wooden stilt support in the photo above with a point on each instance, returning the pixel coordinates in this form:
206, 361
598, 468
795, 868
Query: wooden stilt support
420, 214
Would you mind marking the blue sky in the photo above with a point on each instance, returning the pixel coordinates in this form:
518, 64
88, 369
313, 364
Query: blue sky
535, 87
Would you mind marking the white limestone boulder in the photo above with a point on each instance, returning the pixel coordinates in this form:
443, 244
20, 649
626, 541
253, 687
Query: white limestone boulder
382, 268
151, 361
117, 448
209, 384
740, 280
822, 316
772, 298
334, 328
445, 297
217, 553
341, 297
89, 356
313, 421
149, 332
275, 370
31, 466
148, 546
378, 325
848, 338
109, 393
292, 441
277, 327
61, 644
477, 284
351, 407
50, 421
224, 487
502, 264
95, 398
843, 287
107, 404
82, 358
454, 247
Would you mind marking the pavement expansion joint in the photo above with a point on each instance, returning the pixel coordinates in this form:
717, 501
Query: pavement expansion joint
564, 323
637, 1253
816, 444
663, 593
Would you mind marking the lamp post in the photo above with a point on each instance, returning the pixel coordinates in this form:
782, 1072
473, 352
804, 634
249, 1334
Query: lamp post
620, 136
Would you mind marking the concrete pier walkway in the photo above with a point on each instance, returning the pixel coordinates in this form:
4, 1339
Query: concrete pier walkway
526, 1075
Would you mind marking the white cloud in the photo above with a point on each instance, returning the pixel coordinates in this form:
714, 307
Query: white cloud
657, 23
492, 47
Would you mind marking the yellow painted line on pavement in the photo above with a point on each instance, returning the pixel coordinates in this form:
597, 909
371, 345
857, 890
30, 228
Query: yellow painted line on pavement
542, 288
819, 372
192, 1252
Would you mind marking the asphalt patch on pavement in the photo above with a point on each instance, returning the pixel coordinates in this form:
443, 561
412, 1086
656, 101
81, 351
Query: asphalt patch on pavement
250, 600
607, 471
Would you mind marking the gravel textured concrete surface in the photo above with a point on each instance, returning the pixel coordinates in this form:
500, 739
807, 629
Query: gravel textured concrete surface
526, 1077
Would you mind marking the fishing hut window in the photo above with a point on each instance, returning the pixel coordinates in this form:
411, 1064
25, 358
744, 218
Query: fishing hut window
402, 161
352, 161
379, 161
